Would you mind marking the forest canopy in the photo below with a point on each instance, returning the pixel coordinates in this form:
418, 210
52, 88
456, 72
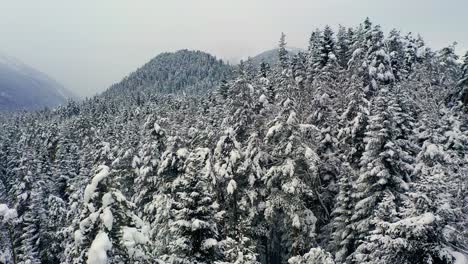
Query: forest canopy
352, 151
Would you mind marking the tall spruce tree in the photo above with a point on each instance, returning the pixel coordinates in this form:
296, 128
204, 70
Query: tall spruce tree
193, 228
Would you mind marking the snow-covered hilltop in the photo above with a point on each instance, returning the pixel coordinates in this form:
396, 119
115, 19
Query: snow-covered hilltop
184, 71
352, 151
25, 88
271, 56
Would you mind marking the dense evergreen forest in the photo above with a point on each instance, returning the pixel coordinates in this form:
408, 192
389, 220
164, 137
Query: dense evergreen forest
353, 151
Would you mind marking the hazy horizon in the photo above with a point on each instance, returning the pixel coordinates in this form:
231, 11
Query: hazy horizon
89, 45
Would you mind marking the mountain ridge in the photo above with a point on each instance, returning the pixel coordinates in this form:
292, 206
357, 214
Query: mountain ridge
182, 71
23, 87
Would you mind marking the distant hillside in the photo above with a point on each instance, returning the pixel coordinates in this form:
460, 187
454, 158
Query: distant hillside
184, 71
25, 88
271, 56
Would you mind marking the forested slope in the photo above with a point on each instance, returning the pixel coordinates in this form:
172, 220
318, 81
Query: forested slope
354, 151
25, 88
184, 71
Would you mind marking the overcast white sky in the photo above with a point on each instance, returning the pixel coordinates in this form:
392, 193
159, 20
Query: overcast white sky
88, 45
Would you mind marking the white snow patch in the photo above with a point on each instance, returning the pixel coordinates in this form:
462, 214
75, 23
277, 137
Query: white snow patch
357, 52
432, 151
263, 99
131, 238
232, 186
292, 118
157, 128
98, 251
197, 224
107, 199
287, 103
296, 221
235, 156
7, 214
183, 152
78, 236
107, 218
251, 88
460, 258
273, 130
209, 243
91, 188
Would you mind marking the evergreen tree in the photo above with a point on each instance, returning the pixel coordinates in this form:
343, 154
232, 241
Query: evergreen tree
282, 52
157, 212
353, 123
370, 59
108, 229
315, 255
28, 208
288, 183
146, 162
448, 66
379, 186
397, 54
343, 48
193, 230
313, 55
463, 83
230, 172
327, 47
342, 238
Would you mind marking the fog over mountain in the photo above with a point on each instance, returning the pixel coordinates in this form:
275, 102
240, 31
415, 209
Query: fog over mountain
25, 88
88, 45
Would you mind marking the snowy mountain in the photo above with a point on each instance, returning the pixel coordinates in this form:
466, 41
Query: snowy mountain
271, 56
184, 71
23, 87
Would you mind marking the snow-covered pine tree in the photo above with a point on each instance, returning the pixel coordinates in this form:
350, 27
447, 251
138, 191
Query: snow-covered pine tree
463, 83
264, 69
313, 55
403, 115
158, 211
268, 93
379, 186
8, 217
455, 141
353, 123
288, 179
315, 255
298, 68
108, 229
223, 88
327, 48
28, 206
342, 236
370, 60
66, 166
410, 51
193, 236
282, 52
396, 51
424, 225
54, 221
324, 119
343, 48
146, 161
232, 182
447, 65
